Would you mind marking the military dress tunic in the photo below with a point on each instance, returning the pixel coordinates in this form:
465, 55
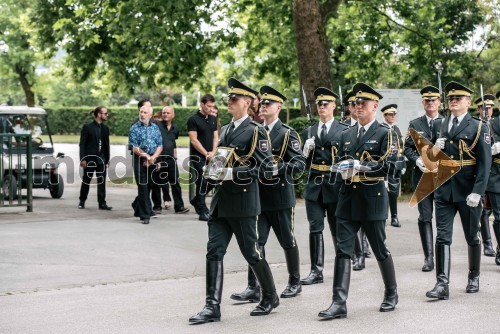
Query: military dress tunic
236, 203
363, 199
277, 193
493, 187
394, 180
321, 190
470, 147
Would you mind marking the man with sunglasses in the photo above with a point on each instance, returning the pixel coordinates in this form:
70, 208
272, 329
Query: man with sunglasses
321, 191
236, 204
277, 195
466, 141
394, 180
431, 100
492, 197
369, 153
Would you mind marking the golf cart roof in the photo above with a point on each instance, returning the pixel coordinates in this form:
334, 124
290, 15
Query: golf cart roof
21, 110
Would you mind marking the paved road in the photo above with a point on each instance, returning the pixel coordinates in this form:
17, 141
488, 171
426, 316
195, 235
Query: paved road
64, 270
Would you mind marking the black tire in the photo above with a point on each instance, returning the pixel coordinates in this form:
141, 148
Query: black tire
9, 187
56, 186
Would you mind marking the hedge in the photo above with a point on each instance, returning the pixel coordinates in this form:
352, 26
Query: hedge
69, 120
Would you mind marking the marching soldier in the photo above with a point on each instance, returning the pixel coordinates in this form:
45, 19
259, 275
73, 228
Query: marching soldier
431, 99
277, 195
369, 151
466, 141
321, 192
493, 188
394, 180
236, 204
489, 101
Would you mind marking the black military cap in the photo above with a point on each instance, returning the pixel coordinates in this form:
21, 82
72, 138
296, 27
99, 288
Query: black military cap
238, 88
325, 96
430, 93
349, 97
269, 95
454, 88
390, 108
489, 100
363, 91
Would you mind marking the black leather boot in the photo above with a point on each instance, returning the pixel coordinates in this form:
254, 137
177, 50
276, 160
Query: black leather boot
366, 245
211, 310
294, 286
317, 253
486, 234
251, 292
496, 230
393, 205
426, 237
359, 259
441, 290
269, 298
341, 281
474, 269
391, 287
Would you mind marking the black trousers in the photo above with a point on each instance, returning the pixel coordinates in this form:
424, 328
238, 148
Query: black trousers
167, 174
375, 232
425, 209
100, 171
495, 206
220, 232
202, 187
315, 211
282, 223
445, 214
143, 179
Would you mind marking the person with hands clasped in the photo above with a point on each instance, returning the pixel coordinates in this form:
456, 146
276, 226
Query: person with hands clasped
465, 140
321, 191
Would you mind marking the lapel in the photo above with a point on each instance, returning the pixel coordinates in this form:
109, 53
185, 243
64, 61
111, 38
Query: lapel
368, 134
425, 126
463, 124
332, 131
495, 127
275, 131
222, 139
240, 129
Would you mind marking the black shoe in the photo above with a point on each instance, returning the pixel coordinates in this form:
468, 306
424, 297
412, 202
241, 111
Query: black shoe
204, 217
266, 305
488, 249
472, 285
359, 264
145, 221
104, 207
428, 264
250, 294
395, 221
81, 205
209, 313
157, 211
292, 290
312, 278
182, 210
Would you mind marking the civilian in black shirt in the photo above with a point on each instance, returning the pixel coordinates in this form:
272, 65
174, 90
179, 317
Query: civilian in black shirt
168, 171
203, 136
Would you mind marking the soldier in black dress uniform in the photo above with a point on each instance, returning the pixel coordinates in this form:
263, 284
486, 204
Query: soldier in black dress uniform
363, 199
431, 99
277, 194
236, 204
489, 102
467, 142
394, 180
321, 192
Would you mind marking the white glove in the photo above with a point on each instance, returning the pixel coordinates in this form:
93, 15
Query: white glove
473, 200
403, 171
308, 146
440, 142
495, 148
420, 164
227, 174
275, 169
204, 169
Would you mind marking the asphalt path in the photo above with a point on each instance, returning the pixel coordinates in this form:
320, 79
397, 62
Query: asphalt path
65, 270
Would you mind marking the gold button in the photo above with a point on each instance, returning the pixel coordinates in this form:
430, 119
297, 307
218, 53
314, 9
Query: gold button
323, 162
357, 153
451, 156
378, 194
322, 148
322, 175
451, 141
354, 187
244, 190
282, 184
236, 147
453, 171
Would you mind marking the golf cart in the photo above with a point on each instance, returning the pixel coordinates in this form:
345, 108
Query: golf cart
18, 125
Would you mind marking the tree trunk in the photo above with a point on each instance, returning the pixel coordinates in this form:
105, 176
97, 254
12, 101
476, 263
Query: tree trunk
26, 85
312, 48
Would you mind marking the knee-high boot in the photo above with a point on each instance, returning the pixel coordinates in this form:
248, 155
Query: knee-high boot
294, 286
393, 205
215, 279
474, 269
391, 287
269, 298
426, 237
252, 291
359, 250
496, 230
441, 289
317, 253
486, 234
341, 281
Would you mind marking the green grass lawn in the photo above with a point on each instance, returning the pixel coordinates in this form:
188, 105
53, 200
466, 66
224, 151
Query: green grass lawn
183, 141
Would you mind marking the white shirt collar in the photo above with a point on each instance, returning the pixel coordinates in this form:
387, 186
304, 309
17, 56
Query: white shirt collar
238, 122
353, 122
430, 119
328, 126
270, 126
367, 126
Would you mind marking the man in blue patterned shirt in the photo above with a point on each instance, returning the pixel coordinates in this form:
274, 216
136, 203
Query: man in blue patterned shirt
146, 143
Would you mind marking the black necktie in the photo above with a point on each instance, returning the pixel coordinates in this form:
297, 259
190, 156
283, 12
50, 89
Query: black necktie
322, 137
230, 131
267, 128
454, 126
431, 123
361, 134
